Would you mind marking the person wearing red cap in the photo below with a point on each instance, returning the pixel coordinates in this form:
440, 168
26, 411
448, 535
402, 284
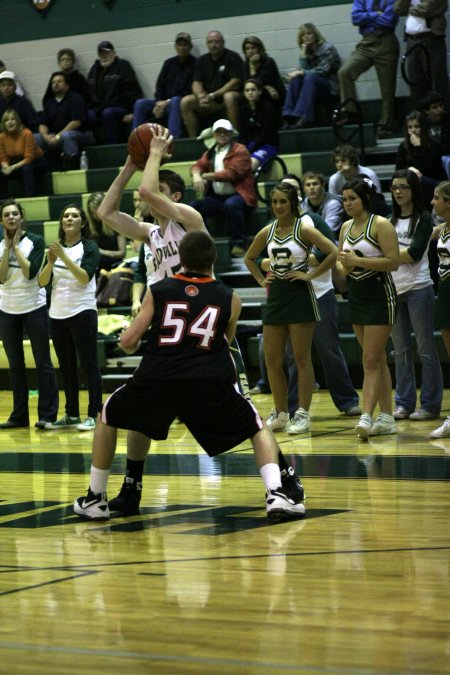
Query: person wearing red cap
114, 88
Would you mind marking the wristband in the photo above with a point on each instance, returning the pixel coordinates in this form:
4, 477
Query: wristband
58, 137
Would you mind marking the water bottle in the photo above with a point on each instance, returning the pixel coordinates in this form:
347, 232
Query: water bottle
84, 164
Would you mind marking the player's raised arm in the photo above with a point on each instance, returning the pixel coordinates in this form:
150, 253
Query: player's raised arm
109, 209
150, 192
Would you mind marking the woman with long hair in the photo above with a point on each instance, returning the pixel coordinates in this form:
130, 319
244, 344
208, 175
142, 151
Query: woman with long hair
259, 122
291, 310
258, 65
315, 81
23, 307
441, 205
70, 266
112, 246
368, 253
20, 155
420, 152
415, 302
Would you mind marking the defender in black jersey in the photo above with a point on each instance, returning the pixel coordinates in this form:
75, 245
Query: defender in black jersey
186, 372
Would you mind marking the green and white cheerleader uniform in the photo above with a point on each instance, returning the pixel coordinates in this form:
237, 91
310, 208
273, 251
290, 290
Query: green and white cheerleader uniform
289, 301
372, 297
443, 297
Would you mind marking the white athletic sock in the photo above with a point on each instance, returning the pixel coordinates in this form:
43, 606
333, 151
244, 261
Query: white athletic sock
271, 476
99, 480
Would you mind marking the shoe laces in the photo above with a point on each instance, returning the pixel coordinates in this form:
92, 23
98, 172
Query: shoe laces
365, 419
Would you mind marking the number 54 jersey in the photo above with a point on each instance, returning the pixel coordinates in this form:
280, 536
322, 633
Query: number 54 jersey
187, 338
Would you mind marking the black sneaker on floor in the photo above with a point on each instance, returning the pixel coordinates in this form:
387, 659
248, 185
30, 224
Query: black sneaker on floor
92, 507
292, 486
128, 500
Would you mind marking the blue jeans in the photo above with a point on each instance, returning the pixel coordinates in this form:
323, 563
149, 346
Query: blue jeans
77, 335
303, 93
110, 121
415, 313
334, 365
234, 209
143, 112
12, 328
71, 142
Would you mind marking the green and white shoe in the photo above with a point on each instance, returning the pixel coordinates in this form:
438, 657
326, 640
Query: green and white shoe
65, 422
87, 425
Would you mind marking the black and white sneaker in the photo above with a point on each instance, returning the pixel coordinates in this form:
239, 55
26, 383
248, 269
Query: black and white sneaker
281, 507
292, 486
128, 500
92, 507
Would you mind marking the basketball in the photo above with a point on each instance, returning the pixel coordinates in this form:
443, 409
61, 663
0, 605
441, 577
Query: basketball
139, 144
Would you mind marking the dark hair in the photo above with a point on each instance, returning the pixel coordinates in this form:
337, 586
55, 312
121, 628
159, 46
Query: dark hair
64, 51
256, 42
364, 188
413, 181
255, 81
308, 175
346, 150
60, 73
291, 193
429, 98
173, 180
197, 251
12, 202
85, 229
425, 136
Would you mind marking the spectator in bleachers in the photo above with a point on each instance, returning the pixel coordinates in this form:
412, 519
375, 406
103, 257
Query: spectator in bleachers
19, 89
346, 161
216, 86
314, 82
259, 122
421, 152
68, 65
63, 129
259, 66
223, 179
318, 200
70, 268
20, 155
415, 297
378, 47
438, 121
174, 81
112, 246
10, 99
23, 307
425, 25
114, 88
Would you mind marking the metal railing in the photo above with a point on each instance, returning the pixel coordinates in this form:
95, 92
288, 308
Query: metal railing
274, 166
417, 46
342, 119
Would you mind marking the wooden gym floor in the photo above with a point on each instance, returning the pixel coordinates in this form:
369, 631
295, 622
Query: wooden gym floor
200, 582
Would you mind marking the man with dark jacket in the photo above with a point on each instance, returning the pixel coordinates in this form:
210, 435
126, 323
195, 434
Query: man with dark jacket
174, 81
216, 86
63, 123
9, 99
114, 89
224, 176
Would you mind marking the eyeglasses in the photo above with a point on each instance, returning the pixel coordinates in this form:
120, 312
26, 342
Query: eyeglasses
400, 188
